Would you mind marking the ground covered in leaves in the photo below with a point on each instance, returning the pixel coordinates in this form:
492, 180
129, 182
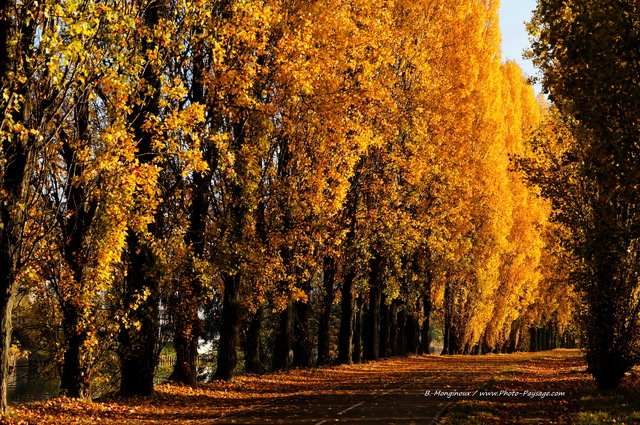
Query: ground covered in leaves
557, 371
203, 405
174, 403
576, 399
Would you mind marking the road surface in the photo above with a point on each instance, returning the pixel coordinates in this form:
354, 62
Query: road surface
387, 395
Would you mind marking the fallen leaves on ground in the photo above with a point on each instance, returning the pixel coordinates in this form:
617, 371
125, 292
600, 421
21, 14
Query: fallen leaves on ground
560, 371
180, 404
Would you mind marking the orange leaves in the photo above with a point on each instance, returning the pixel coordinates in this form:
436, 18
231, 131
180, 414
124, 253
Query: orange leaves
478, 122
277, 132
182, 404
63, 410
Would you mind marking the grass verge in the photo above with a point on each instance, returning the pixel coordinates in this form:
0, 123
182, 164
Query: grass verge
575, 399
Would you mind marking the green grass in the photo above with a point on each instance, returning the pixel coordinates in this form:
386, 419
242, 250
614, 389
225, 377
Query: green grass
504, 375
621, 406
480, 412
473, 412
586, 405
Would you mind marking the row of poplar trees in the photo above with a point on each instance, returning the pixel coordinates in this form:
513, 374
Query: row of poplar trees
280, 157
586, 160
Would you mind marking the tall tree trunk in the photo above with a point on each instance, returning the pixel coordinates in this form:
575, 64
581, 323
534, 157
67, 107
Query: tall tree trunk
385, 328
75, 376
324, 322
345, 335
284, 328
302, 336
514, 336
188, 326
531, 340
302, 344
402, 341
412, 332
372, 343
425, 340
229, 328
449, 334
357, 332
282, 347
539, 339
484, 346
394, 331
76, 224
139, 342
7, 242
19, 153
252, 355
185, 369
7, 299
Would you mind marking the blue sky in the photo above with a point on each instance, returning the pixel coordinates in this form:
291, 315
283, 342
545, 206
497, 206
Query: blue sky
513, 14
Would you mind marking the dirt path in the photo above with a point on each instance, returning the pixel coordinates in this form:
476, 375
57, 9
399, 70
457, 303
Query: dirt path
390, 391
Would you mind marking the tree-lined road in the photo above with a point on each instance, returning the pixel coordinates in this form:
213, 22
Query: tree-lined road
388, 394
388, 391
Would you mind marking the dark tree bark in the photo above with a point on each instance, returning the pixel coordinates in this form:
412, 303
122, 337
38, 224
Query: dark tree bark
394, 331
7, 299
229, 328
425, 338
188, 326
385, 328
20, 155
515, 336
539, 339
372, 342
185, 341
402, 340
302, 337
76, 373
282, 347
19, 168
451, 344
138, 344
284, 327
187, 330
366, 327
302, 342
253, 346
345, 335
74, 379
324, 322
75, 225
357, 330
554, 335
532, 339
253, 355
411, 331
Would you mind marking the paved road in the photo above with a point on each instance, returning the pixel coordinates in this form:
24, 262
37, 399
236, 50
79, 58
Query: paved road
389, 395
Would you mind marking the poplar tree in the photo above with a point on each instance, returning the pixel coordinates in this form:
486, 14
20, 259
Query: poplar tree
587, 52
